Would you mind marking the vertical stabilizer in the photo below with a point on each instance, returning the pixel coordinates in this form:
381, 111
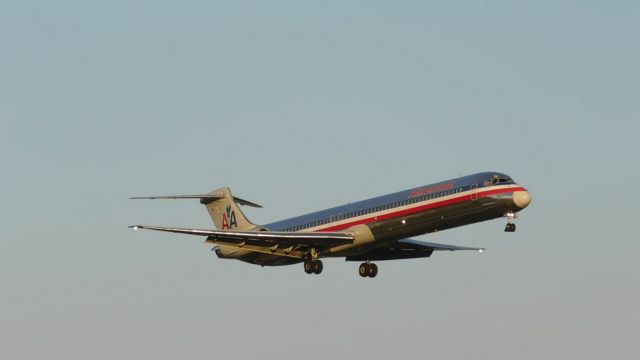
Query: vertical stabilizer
225, 213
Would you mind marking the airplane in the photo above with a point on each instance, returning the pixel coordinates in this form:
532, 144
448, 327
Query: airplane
376, 229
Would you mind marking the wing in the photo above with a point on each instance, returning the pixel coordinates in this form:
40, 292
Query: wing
415, 244
320, 240
407, 249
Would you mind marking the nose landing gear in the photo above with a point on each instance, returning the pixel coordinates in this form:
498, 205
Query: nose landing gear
368, 269
510, 227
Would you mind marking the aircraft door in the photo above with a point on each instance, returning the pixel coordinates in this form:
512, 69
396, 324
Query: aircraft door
474, 192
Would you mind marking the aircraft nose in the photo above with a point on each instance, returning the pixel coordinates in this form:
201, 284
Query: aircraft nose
521, 198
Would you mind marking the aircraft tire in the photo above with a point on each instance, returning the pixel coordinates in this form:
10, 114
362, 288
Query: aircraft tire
363, 270
308, 267
373, 270
317, 266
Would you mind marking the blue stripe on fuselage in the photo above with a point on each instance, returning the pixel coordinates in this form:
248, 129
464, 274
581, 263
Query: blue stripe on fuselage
338, 213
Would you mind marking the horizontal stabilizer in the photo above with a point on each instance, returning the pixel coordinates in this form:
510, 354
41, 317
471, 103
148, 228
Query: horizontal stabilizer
262, 238
204, 199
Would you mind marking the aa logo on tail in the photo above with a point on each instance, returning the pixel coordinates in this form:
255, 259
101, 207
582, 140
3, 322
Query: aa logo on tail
229, 219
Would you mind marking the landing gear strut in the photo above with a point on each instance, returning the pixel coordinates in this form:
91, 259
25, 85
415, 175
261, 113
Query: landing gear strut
510, 227
368, 269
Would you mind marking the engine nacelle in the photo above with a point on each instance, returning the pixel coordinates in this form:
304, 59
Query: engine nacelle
260, 228
363, 238
230, 252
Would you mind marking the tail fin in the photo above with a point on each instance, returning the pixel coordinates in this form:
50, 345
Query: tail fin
224, 211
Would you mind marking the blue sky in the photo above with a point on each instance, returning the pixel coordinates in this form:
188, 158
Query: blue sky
301, 106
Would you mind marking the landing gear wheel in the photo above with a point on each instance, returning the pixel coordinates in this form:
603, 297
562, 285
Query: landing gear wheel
309, 267
363, 270
373, 270
368, 270
510, 227
317, 267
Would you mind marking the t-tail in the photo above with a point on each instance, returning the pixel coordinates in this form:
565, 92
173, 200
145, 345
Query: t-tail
222, 207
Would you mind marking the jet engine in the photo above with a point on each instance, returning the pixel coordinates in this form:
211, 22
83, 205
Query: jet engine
363, 239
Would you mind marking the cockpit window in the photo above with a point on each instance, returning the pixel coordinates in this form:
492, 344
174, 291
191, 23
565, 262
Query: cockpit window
498, 180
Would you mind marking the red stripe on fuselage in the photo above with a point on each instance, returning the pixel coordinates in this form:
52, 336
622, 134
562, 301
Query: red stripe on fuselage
420, 208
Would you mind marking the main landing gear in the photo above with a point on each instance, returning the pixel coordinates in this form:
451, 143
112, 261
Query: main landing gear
311, 264
510, 227
313, 267
368, 269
